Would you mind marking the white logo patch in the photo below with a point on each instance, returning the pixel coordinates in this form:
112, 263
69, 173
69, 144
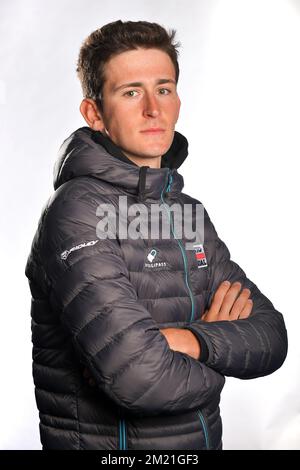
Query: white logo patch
150, 257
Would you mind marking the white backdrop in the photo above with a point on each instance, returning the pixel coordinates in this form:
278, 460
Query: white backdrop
239, 86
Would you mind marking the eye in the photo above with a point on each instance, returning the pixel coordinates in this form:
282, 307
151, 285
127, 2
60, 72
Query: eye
130, 93
164, 91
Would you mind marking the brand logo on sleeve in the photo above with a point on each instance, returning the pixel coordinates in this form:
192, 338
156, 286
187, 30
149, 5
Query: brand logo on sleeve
64, 255
200, 256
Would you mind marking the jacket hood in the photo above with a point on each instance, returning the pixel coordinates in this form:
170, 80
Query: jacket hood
90, 153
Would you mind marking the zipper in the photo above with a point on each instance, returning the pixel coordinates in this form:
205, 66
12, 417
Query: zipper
122, 422
122, 435
205, 429
183, 253
185, 262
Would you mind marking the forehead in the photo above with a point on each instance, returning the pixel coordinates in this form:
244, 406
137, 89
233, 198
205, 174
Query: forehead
138, 65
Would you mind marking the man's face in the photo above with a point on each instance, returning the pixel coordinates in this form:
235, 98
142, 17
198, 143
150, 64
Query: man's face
139, 94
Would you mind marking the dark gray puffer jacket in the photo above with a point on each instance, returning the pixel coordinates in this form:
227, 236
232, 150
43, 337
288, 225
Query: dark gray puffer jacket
99, 304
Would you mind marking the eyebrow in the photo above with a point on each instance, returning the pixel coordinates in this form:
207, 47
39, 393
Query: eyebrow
158, 82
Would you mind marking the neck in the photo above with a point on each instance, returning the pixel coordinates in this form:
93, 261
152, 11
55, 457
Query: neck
151, 162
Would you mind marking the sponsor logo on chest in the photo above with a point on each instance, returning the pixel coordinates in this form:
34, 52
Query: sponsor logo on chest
200, 256
151, 263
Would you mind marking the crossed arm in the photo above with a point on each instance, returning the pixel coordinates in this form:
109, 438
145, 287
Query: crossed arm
228, 304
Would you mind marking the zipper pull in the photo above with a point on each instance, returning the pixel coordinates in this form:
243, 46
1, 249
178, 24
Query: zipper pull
169, 183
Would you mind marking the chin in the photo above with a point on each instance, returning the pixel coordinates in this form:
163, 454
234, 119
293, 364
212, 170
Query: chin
156, 150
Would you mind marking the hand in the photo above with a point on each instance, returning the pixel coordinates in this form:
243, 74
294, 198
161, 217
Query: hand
228, 304
182, 340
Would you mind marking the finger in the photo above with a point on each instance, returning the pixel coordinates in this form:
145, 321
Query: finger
92, 382
213, 312
229, 300
86, 373
239, 304
246, 310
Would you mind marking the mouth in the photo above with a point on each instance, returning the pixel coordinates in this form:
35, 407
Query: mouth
153, 130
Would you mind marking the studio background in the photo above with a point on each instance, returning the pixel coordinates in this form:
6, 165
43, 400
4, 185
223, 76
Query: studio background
239, 87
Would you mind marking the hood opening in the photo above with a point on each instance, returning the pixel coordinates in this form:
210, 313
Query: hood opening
91, 153
173, 158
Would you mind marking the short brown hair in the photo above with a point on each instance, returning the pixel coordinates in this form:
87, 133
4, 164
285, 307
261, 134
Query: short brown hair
114, 38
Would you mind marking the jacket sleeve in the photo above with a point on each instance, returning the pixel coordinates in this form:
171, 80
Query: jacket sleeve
245, 348
113, 333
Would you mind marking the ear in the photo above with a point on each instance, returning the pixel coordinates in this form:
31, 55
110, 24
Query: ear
91, 114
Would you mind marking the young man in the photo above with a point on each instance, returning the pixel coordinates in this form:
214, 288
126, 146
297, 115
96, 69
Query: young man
154, 323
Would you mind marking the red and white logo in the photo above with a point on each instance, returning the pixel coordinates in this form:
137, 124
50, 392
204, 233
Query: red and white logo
200, 256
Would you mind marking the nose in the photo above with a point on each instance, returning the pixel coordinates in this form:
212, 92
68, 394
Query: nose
151, 106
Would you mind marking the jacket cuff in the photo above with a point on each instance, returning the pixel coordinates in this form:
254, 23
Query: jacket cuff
204, 352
